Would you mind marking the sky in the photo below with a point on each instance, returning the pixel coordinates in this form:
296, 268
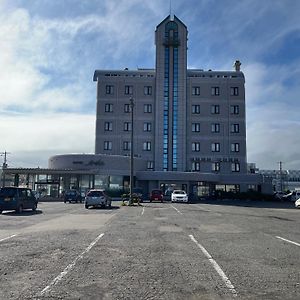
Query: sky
49, 51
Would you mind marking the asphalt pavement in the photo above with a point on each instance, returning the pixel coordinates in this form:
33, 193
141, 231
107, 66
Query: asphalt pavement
209, 250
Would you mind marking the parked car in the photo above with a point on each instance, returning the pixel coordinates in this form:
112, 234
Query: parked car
278, 195
297, 203
17, 198
292, 196
156, 195
97, 198
179, 196
72, 196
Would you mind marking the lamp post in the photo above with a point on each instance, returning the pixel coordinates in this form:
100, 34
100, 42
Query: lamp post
131, 153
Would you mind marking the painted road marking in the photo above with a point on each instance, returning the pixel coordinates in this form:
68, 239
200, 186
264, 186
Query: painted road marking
9, 237
294, 243
70, 266
143, 210
216, 267
176, 209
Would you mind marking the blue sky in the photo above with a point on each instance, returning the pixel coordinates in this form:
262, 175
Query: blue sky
50, 49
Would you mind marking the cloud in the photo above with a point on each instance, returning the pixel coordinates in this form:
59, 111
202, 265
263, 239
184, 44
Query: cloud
273, 122
47, 133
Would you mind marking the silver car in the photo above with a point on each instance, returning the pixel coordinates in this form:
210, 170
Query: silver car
97, 198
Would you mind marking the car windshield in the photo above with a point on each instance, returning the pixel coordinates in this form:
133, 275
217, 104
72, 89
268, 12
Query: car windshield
95, 194
179, 192
71, 193
156, 192
8, 192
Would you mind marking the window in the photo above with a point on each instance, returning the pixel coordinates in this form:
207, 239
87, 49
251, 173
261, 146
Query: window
109, 89
196, 147
215, 127
215, 166
195, 166
215, 147
215, 91
195, 127
235, 147
108, 107
147, 108
234, 109
128, 89
234, 91
126, 145
215, 109
235, 167
147, 126
235, 128
107, 145
108, 126
127, 126
147, 90
127, 108
147, 146
196, 90
196, 109
150, 165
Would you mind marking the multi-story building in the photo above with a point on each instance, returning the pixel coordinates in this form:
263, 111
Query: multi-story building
189, 128
185, 120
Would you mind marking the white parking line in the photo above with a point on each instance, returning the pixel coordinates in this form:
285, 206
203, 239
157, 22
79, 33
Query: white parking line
9, 237
297, 244
70, 266
216, 267
143, 210
177, 209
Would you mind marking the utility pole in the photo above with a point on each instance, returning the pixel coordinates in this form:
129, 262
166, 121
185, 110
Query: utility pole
280, 175
131, 153
4, 166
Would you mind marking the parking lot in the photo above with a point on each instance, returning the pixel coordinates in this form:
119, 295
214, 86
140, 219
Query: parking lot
208, 250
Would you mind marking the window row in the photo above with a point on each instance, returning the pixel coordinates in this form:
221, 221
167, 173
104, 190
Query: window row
215, 127
215, 91
108, 107
147, 146
215, 147
128, 90
215, 166
215, 109
147, 127
108, 145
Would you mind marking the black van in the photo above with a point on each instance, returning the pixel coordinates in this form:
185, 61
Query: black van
17, 198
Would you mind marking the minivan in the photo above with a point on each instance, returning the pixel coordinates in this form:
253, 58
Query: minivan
17, 198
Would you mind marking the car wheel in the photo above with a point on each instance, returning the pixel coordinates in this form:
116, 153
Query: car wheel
109, 205
65, 201
19, 209
86, 206
34, 207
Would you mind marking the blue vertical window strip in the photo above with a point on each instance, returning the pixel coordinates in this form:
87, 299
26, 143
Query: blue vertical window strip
166, 109
175, 106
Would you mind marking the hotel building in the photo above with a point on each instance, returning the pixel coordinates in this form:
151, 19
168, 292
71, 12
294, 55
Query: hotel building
189, 128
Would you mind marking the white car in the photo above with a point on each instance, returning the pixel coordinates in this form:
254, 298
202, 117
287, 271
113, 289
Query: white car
297, 203
179, 196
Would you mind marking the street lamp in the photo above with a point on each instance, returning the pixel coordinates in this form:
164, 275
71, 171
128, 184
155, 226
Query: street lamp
131, 153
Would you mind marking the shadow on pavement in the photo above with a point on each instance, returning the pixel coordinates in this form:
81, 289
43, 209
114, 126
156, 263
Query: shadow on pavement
247, 203
25, 213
